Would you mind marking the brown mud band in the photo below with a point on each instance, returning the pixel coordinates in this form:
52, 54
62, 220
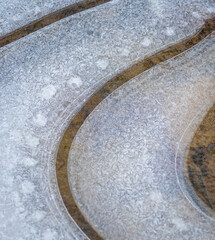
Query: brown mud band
201, 160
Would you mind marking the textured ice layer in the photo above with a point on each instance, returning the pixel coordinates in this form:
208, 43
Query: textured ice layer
47, 75
15, 13
122, 161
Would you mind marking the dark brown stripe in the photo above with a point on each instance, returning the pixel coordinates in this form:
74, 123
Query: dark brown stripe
201, 160
95, 99
49, 19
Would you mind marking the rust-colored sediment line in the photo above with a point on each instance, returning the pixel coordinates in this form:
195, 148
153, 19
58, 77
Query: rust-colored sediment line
89, 106
201, 160
49, 19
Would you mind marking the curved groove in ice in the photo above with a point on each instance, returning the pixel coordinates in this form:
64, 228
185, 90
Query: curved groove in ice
101, 94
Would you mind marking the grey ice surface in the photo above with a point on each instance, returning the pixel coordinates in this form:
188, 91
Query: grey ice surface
15, 13
46, 76
122, 161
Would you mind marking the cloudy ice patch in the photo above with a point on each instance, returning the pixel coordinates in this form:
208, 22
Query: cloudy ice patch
211, 10
29, 162
32, 141
16, 135
16, 199
125, 52
48, 92
102, 63
170, 31
27, 187
196, 15
146, 42
40, 119
10, 180
180, 224
39, 215
75, 81
156, 196
156, 6
37, 10
49, 235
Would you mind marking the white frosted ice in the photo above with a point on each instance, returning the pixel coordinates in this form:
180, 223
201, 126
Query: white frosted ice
75, 82
27, 187
102, 63
40, 119
180, 224
170, 31
146, 42
48, 92
29, 162
31, 141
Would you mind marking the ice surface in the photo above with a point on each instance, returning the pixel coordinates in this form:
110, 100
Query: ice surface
46, 76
